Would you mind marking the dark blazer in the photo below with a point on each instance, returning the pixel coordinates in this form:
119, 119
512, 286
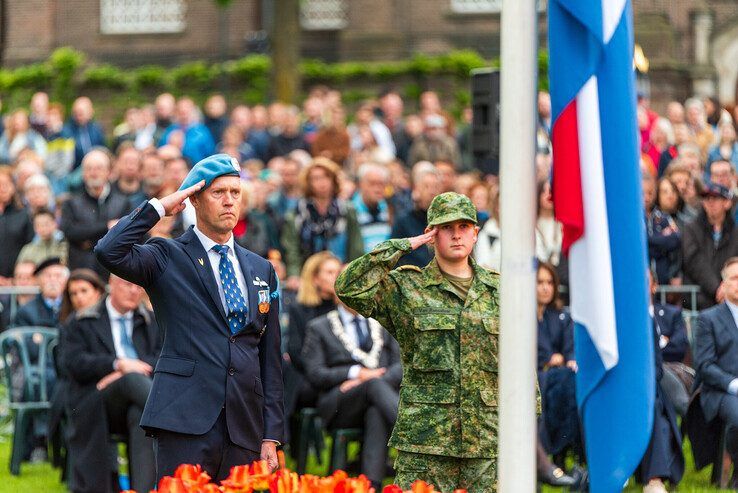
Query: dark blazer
670, 323
36, 313
555, 335
202, 367
663, 249
327, 362
16, 230
702, 259
84, 220
88, 350
300, 317
715, 356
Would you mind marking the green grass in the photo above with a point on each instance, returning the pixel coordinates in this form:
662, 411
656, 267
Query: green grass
42, 478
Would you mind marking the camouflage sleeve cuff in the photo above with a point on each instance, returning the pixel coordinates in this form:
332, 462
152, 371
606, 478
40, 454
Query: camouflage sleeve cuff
402, 245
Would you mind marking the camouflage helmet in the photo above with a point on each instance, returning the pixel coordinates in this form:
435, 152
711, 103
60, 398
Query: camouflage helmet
451, 206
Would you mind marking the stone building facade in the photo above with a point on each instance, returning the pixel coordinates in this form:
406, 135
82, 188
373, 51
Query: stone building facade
692, 45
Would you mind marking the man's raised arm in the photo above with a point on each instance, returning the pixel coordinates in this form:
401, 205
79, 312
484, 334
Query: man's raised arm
118, 252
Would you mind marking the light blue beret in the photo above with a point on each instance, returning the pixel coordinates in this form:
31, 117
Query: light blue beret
211, 168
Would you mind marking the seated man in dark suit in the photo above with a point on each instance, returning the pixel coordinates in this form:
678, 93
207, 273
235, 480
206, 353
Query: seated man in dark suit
355, 365
109, 351
716, 360
43, 309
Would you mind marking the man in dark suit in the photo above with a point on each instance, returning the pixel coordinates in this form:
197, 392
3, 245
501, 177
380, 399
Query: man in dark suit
43, 309
89, 213
716, 359
355, 365
217, 397
109, 352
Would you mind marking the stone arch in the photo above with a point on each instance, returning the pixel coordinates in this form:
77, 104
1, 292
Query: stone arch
724, 55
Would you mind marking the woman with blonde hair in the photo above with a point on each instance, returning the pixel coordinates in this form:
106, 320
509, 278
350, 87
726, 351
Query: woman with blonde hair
315, 297
320, 221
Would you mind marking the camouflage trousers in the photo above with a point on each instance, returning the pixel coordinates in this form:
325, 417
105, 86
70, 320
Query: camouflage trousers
446, 474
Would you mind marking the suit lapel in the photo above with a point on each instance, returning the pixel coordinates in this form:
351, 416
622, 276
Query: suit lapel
201, 261
249, 276
729, 320
105, 329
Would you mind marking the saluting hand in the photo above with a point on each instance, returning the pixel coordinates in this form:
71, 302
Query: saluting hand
420, 240
174, 203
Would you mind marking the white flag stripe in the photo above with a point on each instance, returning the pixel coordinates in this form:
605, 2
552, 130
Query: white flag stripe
612, 11
590, 266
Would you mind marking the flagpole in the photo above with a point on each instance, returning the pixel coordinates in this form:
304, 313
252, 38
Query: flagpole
517, 353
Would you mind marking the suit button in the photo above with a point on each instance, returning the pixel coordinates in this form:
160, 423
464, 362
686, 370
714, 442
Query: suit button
231, 371
233, 339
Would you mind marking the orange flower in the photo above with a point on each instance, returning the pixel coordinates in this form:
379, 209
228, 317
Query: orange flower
354, 485
284, 481
392, 488
209, 488
339, 475
168, 484
238, 477
259, 468
422, 487
314, 484
192, 476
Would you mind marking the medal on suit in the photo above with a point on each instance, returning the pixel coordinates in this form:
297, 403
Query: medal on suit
264, 301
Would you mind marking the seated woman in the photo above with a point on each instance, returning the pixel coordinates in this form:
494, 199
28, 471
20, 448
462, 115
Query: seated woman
84, 288
315, 297
559, 428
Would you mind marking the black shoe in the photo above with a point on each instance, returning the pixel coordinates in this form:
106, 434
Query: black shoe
554, 476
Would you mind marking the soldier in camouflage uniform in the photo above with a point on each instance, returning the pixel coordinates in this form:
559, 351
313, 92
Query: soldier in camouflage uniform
445, 317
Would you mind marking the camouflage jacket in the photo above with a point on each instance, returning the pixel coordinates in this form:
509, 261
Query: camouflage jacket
448, 398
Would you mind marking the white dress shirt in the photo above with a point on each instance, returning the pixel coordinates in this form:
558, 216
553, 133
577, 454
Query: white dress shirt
347, 320
115, 328
214, 258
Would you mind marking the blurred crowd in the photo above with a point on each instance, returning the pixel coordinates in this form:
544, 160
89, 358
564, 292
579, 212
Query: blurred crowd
321, 186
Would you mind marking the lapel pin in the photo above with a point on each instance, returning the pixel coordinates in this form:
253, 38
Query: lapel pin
202, 262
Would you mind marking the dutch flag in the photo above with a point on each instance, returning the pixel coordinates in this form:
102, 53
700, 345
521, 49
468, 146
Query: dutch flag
597, 196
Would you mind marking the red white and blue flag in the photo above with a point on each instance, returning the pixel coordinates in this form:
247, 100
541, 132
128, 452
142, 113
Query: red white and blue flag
597, 197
